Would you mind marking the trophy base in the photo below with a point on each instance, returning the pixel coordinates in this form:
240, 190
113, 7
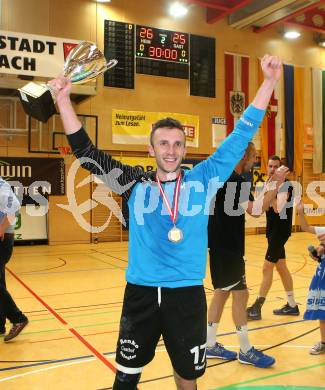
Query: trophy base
37, 101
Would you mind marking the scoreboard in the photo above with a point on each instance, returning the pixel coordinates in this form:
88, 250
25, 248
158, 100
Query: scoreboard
162, 45
119, 44
158, 52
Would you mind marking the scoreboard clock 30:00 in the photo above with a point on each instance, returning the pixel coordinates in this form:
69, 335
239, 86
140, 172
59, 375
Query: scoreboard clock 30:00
162, 45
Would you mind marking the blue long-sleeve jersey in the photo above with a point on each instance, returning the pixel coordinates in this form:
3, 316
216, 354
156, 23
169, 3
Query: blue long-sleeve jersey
153, 259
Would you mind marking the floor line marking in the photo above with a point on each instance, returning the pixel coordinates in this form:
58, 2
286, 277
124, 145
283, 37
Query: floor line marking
58, 317
108, 353
44, 369
268, 377
72, 330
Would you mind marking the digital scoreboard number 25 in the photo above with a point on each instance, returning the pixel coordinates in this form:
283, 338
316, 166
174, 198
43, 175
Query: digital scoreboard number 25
162, 45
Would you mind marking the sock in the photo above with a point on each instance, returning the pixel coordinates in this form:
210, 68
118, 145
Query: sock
291, 299
260, 300
242, 333
211, 333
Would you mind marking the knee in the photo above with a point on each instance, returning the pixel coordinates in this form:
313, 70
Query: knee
223, 294
268, 267
281, 265
125, 381
239, 299
266, 271
240, 295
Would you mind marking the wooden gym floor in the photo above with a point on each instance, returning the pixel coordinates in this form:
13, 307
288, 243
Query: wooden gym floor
72, 295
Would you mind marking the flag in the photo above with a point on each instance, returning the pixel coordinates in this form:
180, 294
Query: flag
318, 80
236, 87
294, 116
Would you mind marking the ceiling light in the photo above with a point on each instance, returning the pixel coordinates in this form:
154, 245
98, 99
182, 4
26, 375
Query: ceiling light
177, 10
103, 1
292, 34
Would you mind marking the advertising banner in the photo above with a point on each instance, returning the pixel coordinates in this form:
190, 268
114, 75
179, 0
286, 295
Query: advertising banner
31, 227
33, 55
44, 176
133, 127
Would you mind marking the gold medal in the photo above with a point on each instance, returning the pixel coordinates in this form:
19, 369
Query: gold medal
175, 235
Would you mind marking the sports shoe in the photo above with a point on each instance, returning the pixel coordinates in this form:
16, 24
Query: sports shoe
218, 351
317, 349
15, 330
256, 358
254, 312
287, 310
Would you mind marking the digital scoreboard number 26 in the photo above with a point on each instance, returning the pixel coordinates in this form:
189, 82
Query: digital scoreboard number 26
162, 45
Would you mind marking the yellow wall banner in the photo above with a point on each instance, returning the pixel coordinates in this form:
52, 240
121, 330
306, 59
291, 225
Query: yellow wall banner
133, 127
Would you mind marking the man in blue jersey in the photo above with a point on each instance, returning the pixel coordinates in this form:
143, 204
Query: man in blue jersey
168, 217
9, 205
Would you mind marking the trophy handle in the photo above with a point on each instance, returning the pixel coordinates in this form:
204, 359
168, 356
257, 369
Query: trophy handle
111, 64
90, 74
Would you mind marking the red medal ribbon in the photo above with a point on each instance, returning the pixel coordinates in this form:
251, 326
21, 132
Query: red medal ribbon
173, 213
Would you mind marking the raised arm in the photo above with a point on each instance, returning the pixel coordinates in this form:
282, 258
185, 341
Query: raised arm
271, 67
61, 88
221, 163
117, 176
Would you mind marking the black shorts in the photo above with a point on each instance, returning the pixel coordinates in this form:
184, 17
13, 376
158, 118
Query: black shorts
275, 249
179, 315
237, 286
227, 269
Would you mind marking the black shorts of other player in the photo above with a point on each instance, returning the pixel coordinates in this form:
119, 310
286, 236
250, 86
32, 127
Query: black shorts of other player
227, 269
275, 249
278, 227
149, 313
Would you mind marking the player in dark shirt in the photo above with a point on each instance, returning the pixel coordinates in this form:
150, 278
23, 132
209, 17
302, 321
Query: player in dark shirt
278, 231
227, 265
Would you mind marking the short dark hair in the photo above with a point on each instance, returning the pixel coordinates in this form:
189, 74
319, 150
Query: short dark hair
275, 158
170, 123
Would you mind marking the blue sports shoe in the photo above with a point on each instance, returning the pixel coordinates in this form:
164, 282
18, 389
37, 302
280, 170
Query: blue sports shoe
218, 351
287, 310
256, 358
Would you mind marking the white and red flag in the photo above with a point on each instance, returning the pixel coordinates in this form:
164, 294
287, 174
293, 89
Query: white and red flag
236, 87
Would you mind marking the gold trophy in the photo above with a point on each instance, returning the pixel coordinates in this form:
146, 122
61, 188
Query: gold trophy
84, 63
